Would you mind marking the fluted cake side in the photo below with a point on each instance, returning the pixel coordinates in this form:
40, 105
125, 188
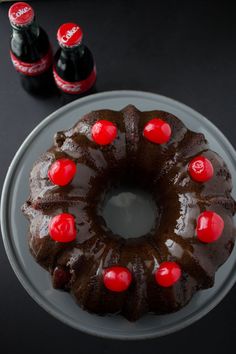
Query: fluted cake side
161, 169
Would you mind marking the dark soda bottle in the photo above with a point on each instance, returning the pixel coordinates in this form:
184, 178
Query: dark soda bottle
74, 69
31, 52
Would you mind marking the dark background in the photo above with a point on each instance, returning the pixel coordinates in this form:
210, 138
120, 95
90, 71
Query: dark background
182, 49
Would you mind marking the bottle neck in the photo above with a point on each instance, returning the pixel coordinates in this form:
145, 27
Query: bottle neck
27, 33
77, 51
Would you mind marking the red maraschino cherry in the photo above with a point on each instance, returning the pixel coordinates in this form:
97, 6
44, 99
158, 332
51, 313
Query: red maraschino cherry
117, 279
157, 131
62, 228
62, 171
210, 226
104, 132
168, 274
201, 169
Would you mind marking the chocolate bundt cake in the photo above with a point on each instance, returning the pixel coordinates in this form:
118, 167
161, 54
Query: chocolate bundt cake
157, 272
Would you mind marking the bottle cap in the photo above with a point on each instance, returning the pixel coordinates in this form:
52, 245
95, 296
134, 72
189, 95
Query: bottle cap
69, 35
21, 14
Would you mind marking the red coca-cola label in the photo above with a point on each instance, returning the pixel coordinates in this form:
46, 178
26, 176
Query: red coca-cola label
32, 69
76, 87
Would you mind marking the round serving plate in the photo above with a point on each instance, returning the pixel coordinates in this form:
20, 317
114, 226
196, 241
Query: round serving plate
14, 225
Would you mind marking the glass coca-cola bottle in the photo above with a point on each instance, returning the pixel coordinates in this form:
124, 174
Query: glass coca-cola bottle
31, 53
74, 69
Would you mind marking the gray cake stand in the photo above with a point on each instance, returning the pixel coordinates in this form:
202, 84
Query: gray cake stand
37, 282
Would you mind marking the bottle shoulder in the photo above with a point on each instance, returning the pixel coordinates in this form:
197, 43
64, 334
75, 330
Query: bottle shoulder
28, 46
74, 65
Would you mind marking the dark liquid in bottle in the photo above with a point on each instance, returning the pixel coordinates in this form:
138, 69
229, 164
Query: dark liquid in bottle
31, 45
74, 65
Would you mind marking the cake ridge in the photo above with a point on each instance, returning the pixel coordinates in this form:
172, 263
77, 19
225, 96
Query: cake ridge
162, 168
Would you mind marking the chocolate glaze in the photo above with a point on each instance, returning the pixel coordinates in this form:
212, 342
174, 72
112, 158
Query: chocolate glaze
161, 169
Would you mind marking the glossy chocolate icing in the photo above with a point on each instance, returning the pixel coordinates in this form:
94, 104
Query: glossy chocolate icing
162, 170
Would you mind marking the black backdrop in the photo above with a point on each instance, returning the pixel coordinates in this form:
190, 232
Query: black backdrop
182, 49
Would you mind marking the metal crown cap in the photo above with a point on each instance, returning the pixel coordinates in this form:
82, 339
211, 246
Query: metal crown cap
69, 35
21, 14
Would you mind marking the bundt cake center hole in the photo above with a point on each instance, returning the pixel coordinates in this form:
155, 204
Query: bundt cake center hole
129, 212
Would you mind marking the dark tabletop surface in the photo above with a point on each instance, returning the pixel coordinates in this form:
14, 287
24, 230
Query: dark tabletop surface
182, 49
